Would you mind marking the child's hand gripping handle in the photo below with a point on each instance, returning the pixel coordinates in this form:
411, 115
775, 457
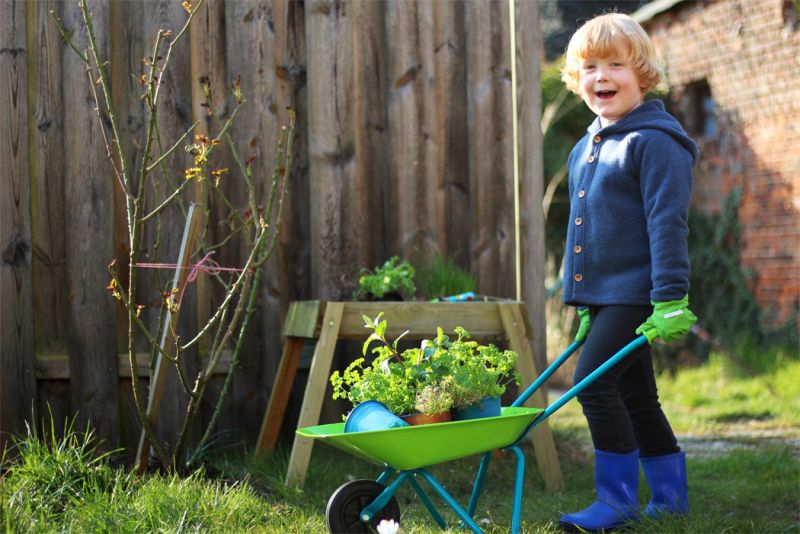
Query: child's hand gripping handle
670, 320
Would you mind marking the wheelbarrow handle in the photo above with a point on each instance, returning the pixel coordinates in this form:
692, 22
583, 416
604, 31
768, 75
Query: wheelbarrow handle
552, 368
577, 388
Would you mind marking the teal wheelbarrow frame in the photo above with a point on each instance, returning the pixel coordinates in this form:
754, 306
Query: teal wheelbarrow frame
359, 505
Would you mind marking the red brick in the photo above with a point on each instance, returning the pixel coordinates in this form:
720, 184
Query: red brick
752, 66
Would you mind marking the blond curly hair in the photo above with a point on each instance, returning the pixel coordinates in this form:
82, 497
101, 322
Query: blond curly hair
608, 34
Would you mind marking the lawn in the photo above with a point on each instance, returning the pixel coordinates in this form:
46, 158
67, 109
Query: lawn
742, 440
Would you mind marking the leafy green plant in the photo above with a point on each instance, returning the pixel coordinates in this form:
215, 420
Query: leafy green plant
442, 276
480, 371
393, 276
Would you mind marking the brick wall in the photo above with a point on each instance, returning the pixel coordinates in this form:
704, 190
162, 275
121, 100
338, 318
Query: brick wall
748, 52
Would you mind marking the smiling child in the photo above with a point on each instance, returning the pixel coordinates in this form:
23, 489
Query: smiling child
626, 265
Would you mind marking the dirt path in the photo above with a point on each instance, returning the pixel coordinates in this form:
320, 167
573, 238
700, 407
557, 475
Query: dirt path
704, 445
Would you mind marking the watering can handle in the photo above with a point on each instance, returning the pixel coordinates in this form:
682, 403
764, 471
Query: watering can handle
577, 388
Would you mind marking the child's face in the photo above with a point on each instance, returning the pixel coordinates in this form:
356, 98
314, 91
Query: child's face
610, 86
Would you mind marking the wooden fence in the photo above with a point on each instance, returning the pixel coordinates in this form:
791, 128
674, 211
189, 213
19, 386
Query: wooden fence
403, 146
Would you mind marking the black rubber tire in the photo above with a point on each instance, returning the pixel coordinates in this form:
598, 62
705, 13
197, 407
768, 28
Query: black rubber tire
347, 502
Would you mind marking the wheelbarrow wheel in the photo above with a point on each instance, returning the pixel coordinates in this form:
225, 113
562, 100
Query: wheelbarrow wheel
346, 503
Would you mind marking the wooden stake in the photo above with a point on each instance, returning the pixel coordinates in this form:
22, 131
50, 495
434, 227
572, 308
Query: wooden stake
159, 374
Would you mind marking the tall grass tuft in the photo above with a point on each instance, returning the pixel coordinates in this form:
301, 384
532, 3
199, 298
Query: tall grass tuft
49, 473
53, 484
443, 277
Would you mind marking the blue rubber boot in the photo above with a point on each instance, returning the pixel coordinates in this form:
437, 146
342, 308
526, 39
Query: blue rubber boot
616, 478
666, 476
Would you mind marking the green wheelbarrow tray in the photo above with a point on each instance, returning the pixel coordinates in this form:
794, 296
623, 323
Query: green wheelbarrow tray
413, 447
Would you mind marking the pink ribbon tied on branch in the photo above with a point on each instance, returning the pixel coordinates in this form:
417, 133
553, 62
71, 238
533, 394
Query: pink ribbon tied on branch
206, 265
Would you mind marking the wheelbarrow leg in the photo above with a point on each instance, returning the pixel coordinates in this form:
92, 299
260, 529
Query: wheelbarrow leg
428, 503
386, 475
460, 512
517, 512
381, 500
478, 487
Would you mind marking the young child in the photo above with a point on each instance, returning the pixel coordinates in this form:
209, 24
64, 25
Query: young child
627, 265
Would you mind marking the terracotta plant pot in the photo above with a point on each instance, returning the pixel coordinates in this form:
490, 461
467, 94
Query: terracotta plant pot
424, 418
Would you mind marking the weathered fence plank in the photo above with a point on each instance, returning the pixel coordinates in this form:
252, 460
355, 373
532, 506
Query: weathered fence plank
47, 184
331, 146
289, 64
370, 125
531, 171
411, 116
128, 51
290, 92
175, 118
489, 110
452, 194
47, 203
17, 378
207, 49
89, 227
256, 132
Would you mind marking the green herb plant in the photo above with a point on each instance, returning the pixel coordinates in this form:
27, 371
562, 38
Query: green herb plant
480, 371
394, 276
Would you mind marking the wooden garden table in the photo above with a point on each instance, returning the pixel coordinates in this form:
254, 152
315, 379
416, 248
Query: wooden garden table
327, 321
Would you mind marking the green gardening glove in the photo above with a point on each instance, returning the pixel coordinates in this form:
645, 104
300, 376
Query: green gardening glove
670, 320
585, 325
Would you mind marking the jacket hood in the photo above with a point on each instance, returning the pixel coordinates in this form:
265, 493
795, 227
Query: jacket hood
650, 115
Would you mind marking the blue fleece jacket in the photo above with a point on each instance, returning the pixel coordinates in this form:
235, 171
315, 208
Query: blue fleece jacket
629, 190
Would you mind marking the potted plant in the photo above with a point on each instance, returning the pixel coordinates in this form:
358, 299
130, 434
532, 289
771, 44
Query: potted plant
433, 403
389, 281
480, 375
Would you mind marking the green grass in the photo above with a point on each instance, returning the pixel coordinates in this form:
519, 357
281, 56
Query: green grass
58, 486
717, 399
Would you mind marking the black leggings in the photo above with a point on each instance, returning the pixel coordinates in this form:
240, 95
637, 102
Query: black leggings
622, 405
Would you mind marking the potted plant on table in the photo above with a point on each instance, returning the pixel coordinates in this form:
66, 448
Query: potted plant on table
389, 281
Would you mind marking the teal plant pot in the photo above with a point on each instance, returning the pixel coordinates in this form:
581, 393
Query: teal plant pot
371, 415
486, 407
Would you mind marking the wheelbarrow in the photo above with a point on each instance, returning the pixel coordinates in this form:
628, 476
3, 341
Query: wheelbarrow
405, 452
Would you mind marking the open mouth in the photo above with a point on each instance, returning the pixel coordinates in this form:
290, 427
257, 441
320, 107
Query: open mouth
605, 95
